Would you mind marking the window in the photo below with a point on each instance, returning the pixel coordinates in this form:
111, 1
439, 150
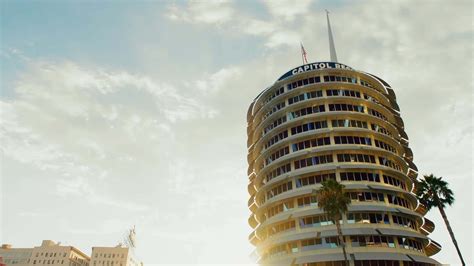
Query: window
275, 108
367, 218
392, 199
375, 113
340, 79
366, 196
412, 244
351, 158
341, 92
316, 160
280, 153
275, 139
308, 127
353, 140
305, 96
314, 179
389, 163
278, 171
346, 107
315, 221
385, 146
282, 207
307, 201
360, 176
306, 111
310, 143
302, 82
404, 221
274, 124
380, 129
275, 94
277, 190
373, 241
282, 227
349, 123
394, 182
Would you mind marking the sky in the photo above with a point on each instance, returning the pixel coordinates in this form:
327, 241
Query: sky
122, 113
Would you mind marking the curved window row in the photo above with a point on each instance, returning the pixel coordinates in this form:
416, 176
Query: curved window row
324, 141
372, 177
315, 221
275, 123
352, 140
278, 171
392, 199
281, 152
303, 82
352, 218
314, 179
360, 263
367, 218
373, 241
380, 129
340, 92
334, 107
315, 160
306, 111
318, 243
360, 176
411, 244
333, 242
385, 146
279, 208
306, 201
310, 143
394, 182
277, 190
348, 123
280, 228
404, 222
275, 108
275, 139
366, 84
309, 126
389, 163
275, 94
305, 96
366, 196
375, 113
328, 158
352, 158
333, 78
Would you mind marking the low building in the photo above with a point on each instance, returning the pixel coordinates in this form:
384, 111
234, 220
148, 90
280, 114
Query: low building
49, 253
113, 256
15, 256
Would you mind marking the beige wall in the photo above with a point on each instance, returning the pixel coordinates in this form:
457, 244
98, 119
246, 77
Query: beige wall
112, 256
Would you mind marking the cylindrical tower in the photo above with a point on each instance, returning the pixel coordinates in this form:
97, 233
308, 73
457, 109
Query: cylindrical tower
324, 121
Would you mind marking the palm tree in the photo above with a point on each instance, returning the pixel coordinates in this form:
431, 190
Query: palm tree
334, 201
434, 192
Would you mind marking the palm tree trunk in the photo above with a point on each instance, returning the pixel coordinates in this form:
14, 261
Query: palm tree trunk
341, 240
450, 230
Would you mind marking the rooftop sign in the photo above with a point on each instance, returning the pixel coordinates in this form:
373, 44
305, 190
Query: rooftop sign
313, 66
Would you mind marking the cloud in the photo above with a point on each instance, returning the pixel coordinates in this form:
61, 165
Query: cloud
81, 122
208, 12
288, 10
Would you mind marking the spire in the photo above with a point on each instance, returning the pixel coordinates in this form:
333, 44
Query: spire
332, 48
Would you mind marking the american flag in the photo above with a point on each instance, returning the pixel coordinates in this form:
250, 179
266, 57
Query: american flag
303, 54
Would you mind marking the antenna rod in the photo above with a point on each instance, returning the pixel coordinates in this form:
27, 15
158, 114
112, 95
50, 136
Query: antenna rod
303, 54
332, 48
